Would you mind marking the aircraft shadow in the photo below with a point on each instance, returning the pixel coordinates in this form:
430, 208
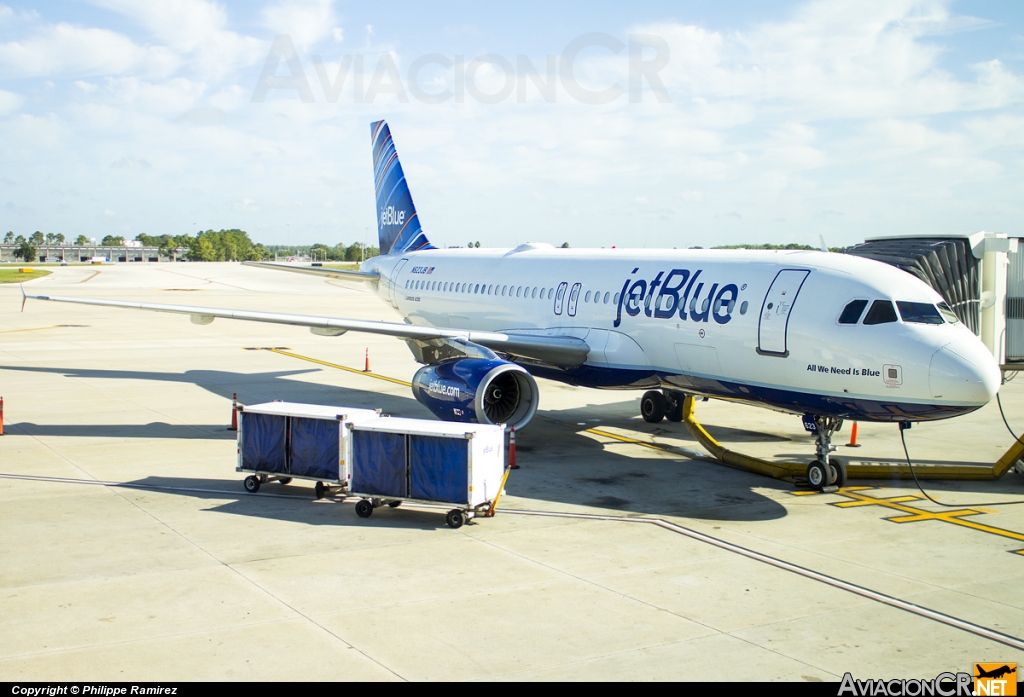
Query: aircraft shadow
560, 463
157, 429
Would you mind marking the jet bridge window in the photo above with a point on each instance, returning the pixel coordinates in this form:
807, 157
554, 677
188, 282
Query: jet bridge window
919, 313
852, 312
881, 312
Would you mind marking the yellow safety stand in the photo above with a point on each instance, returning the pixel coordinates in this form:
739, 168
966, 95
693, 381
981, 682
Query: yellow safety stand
785, 470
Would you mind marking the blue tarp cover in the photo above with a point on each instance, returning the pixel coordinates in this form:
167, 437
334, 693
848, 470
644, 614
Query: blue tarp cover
378, 464
314, 446
439, 469
263, 442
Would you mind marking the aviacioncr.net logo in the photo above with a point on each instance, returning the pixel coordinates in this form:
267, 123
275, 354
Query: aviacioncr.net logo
943, 685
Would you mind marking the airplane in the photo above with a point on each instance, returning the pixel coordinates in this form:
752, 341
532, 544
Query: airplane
824, 335
996, 673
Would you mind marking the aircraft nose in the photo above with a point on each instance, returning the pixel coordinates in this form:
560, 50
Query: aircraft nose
964, 371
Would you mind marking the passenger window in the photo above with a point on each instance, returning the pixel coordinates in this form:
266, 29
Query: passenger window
534, 293
586, 298
606, 298
919, 313
519, 291
881, 312
616, 299
852, 312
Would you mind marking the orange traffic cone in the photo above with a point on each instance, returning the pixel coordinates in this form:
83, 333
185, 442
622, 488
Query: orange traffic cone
853, 437
367, 368
1, 416
512, 449
234, 412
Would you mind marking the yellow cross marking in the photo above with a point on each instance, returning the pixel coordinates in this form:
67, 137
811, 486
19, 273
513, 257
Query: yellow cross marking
915, 515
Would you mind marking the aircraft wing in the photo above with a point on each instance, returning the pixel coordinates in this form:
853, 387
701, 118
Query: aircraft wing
561, 351
346, 274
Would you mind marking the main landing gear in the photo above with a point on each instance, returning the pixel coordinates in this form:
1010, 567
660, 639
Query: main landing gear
826, 472
659, 404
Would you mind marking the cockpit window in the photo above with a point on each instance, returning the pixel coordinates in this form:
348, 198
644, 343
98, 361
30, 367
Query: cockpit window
947, 313
881, 312
852, 312
919, 313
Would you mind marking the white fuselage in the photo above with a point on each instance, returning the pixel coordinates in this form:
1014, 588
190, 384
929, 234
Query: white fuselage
757, 326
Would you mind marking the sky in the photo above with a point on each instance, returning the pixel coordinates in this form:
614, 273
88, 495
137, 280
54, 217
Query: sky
661, 124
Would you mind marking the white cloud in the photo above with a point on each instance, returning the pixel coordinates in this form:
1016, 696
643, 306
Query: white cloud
9, 102
65, 49
306, 21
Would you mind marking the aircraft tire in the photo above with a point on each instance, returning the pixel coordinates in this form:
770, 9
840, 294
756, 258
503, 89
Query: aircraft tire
653, 406
816, 476
839, 469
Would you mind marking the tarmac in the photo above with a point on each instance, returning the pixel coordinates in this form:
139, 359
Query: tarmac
130, 551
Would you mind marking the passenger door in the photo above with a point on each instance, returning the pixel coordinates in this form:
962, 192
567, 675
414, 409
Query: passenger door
776, 309
394, 281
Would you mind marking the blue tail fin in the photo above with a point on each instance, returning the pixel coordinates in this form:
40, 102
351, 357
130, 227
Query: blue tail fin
398, 225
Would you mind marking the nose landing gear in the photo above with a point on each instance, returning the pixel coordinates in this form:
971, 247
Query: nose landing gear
827, 473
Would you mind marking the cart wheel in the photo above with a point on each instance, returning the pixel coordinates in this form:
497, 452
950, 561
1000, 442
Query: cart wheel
455, 518
285, 480
394, 504
364, 509
320, 490
251, 484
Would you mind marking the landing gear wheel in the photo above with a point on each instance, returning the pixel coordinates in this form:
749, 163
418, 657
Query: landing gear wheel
816, 475
285, 480
652, 406
455, 518
251, 484
675, 410
394, 504
364, 509
838, 468
320, 490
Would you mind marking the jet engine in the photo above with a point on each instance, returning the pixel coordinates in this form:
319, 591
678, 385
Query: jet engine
477, 390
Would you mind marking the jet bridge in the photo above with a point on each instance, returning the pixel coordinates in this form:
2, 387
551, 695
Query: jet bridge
980, 276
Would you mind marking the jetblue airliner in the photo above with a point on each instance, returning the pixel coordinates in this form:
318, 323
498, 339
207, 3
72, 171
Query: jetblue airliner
827, 336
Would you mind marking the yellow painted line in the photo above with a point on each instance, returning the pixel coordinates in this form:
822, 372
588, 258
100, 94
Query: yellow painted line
36, 329
89, 278
915, 515
340, 367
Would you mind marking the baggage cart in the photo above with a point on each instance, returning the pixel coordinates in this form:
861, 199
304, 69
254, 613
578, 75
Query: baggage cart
282, 441
455, 464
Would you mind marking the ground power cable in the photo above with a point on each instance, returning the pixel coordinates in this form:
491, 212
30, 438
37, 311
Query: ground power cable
904, 425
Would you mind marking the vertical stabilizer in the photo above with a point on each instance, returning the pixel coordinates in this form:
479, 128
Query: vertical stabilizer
398, 225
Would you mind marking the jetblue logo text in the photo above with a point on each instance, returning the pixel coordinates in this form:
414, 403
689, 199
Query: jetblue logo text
390, 216
677, 293
439, 388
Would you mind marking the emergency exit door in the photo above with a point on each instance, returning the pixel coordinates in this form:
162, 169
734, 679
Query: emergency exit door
773, 324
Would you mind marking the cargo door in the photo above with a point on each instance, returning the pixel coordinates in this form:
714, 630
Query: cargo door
396, 281
439, 469
379, 464
314, 448
775, 311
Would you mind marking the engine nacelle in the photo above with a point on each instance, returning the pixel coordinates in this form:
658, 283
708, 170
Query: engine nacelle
477, 390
